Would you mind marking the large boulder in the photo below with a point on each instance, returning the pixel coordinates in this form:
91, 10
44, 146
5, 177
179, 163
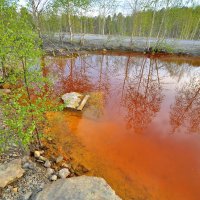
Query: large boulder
9, 172
78, 188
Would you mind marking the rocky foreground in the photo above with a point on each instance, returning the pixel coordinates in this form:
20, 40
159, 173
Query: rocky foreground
36, 178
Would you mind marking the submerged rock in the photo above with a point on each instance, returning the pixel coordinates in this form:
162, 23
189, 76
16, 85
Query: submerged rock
9, 172
79, 188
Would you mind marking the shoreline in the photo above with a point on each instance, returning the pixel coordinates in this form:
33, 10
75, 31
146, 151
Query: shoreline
55, 42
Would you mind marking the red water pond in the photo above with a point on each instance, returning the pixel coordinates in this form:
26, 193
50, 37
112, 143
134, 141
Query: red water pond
143, 137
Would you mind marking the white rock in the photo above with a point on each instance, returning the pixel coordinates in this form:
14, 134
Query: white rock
54, 178
63, 173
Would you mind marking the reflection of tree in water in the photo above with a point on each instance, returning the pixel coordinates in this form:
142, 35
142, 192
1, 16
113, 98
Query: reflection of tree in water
177, 72
142, 95
71, 74
186, 110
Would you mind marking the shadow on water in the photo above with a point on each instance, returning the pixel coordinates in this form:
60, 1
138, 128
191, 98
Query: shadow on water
140, 129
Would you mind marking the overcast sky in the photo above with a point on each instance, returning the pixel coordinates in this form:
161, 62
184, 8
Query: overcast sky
124, 6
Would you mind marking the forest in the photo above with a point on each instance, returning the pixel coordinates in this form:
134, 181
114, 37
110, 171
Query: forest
175, 22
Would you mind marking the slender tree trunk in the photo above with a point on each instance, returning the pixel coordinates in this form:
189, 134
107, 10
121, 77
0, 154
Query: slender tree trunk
70, 26
152, 25
103, 25
195, 30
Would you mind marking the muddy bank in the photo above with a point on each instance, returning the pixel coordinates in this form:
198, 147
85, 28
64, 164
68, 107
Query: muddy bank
90, 42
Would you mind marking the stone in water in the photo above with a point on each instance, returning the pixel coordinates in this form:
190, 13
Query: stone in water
72, 100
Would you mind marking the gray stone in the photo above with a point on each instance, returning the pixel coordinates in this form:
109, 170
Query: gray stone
47, 164
63, 173
9, 172
29, 165
59, 159
78, 188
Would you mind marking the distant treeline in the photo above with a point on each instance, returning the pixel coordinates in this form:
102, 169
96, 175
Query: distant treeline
181, 23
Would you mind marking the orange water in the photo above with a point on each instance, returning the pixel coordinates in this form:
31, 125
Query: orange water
146, 140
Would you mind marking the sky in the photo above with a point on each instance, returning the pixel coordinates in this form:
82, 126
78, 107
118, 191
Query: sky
124, 6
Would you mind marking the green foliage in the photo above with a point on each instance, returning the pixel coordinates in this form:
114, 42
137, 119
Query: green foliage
25, 108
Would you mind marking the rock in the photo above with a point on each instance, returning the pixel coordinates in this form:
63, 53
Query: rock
49, 139
78, 188
36, 154
9, 172
29, 165
15, 190
53, 178
59, 159
42, 158
63, 173
47, 164
72, 100
50, 171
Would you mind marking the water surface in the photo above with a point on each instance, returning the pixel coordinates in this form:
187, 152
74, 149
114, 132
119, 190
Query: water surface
143, 136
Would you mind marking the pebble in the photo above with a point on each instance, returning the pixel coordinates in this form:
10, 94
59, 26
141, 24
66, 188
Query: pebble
54, 178
63, 173
59, 159
42, 158
47, 164
36, 154
50, 171
15, 190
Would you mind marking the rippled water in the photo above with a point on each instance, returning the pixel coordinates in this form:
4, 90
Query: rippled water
142, 133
